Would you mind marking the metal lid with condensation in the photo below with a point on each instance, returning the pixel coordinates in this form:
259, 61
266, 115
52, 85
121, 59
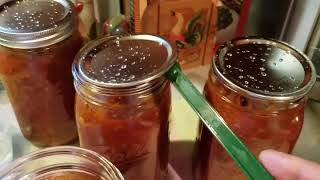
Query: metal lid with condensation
123, 61
264, 68
26, 24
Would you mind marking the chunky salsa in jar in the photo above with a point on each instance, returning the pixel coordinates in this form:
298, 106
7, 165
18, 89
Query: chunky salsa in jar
39, 40
61, 163
258, 86
123, 102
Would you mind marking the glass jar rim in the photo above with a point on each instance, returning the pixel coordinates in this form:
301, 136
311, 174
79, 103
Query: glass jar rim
222, 52
82, 78
111, 171
36, 36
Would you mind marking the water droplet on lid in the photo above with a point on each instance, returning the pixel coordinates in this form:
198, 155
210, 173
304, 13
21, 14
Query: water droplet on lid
102, 71
268, 49
123, 66
246, 82
267, 54
131, 77
133, 63
292, 78
280, 60
260, 82
229, 54
263, 74
251, 77
120, 57
228, 66
240, 70
240, 77
263, 60
258, 87
262, 69
117, 74
274, 63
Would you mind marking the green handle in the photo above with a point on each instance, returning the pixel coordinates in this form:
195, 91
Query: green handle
215, 123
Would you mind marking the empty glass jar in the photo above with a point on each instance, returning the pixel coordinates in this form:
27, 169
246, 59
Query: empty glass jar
61, 163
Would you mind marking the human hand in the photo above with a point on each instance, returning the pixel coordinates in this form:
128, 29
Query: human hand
172, 174
288, 167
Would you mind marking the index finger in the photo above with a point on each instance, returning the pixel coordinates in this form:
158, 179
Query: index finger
287, 167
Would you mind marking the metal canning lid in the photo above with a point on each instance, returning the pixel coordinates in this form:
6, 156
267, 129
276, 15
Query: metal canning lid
264, 68
26, 24
123, 61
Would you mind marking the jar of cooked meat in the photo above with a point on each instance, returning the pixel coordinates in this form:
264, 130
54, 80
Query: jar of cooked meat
123, 102
38, 42
61, 163
259, 87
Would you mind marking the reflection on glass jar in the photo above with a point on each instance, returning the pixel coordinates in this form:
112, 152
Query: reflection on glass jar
258, 86
123, 102
61, 163
36, 54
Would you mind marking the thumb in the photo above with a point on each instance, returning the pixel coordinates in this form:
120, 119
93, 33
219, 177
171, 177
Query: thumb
287, 167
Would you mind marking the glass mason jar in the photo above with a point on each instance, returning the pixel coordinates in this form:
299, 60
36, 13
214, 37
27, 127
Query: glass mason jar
259, 87
39, 40
61, 163
123, 102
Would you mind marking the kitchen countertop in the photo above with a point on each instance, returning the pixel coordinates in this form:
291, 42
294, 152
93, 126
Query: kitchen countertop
183, 129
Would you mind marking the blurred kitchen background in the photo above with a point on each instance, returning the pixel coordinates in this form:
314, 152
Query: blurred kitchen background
294, 21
